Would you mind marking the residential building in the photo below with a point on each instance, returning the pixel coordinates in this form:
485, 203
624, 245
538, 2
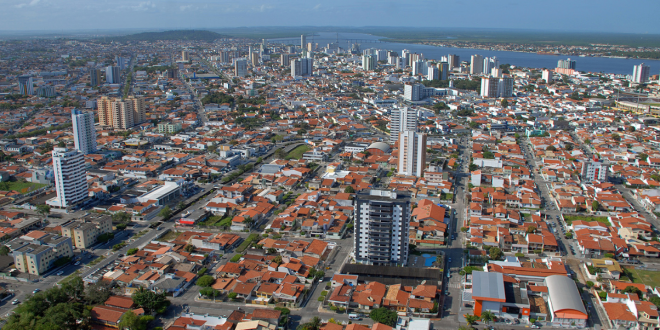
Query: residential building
70, 177
112, 75
240, 67
453, 61
285, 59
566, 64
594, 171
170, 128
85, 232
46, 91
433, 73
25, 85
418, 67
412, 153
185, 56
641, 73
547, 76
35, 252
489, 64
382, 220
121, 114
476, 64
443, 68
369, 62
403, 119
496, 87
84, 134
302, 67
303, 41
94, 77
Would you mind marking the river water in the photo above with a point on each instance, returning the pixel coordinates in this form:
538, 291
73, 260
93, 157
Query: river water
530, 60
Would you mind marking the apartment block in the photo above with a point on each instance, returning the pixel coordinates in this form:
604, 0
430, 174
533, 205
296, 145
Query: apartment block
84, 233
35, 252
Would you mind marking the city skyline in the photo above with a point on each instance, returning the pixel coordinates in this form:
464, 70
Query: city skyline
604, 16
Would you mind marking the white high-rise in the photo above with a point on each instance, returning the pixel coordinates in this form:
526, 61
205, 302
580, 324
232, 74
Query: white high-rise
547, 76
496, 87
489, 64
369, 62
112, 75
382, 222
84, 134
302, 67
25, 85
433, 73
641, 73
418, 67
70, 177
412, 153
476, 64
403, 119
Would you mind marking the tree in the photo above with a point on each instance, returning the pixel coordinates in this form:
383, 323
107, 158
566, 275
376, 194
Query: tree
271, 251
643, 156
632, 289
487, 316
590, 284
609, 255
133, 322
616, 137
181, 205
121, 217
209, 292
43, 209
495, 253
165, 212
384, 316
531, 229
132, 251
151, 301
464, 229
277, 260
232, 295
189, 248
504, 103
98, 293
568, 147
551, 148
655, 300
349, 190
4, 250
471, 319
569, 235
594, 205
205, 281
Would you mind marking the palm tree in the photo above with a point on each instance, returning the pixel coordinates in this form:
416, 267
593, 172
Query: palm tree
471, 319
487, 316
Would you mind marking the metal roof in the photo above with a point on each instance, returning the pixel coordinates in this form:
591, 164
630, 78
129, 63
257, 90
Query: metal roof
380, 145
488, 285
563, 294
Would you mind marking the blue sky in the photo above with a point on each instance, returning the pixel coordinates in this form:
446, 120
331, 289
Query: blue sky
634, 16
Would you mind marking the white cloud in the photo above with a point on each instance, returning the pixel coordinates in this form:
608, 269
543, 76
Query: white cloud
31, 3
183, 8
262, 8
317, 7
142, 6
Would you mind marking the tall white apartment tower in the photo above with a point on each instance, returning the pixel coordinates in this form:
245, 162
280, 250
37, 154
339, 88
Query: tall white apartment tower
70, 177
382, 222
641, 73
412, 153
240, 67
25, 85
369, 62
303, 41
433, 73
476, 64
547, 76
401, 120
594, 171
84, 134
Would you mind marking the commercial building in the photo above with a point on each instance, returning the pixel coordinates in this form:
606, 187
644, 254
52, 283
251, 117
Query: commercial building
112, 75
25, 85
496, 87
84, 233
94, 77
403, 119
412, 153
240, 67
36, 252
641, 73
121, 114
369, 62
565, 303
476, 64
566, 64
168, 193
84, 134
382, 221
594, 171
302, 67
70, 177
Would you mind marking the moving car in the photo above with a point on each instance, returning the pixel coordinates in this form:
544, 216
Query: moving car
36, 290
15, 302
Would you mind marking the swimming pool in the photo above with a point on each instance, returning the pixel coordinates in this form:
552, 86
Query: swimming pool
428, 260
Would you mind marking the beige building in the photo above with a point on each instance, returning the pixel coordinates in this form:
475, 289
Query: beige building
35, 252
84, 233
121, 114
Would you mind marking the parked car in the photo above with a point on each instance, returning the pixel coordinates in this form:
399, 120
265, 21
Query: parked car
60, 273
15, 302
36, 290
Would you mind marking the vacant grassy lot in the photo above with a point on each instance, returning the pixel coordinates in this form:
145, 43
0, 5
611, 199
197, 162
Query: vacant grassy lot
649, 278
570, 218
19, 186
298, 152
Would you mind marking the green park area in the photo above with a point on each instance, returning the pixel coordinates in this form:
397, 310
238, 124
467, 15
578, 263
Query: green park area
20, 186
647, 277
298, 152
570, 218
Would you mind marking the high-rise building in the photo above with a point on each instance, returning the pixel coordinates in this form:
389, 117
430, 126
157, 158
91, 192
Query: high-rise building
121, 114
496, 87
489, 64
240, 67
566, 64
381, 55
303, 41
285, 59
70, 177
254, 59
46, 91
547, 76
382, 222
172, 73
444, 70
476, 64
84, 134
433, 73
185, 56
393, 58
121, 62
112, 75
25, 85
641, 73
369, 62
594, 171
403, 119
302, 67
94, 77
412, 92
412, 153
454, 61
418, 67
224, 56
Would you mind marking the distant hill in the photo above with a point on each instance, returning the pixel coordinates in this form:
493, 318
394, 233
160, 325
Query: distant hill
196, 35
